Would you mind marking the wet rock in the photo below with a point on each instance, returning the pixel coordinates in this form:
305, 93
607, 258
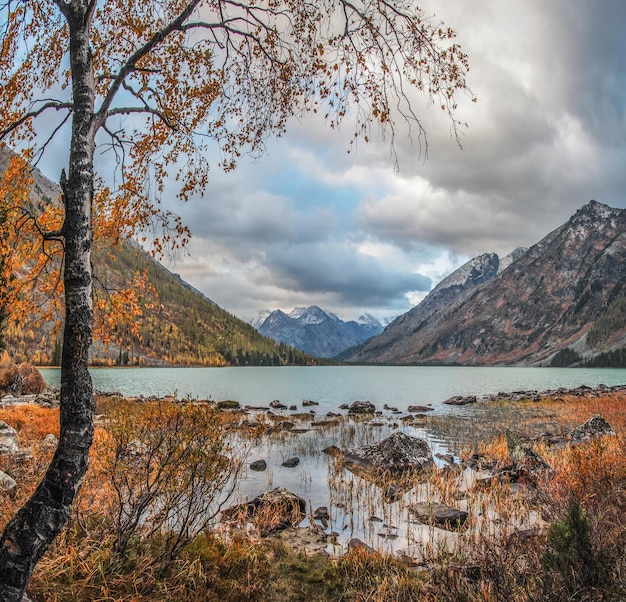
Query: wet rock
461, 400
273, 511
308, 403
321, 513
439, 515
362, 407
258, 465
276, 405
449, 458
332, 450
8, 438
291, 462
596, 426
395, 454
7, 483
388, 535
324, 423
228, 404
414, 419
420, 409
356, 544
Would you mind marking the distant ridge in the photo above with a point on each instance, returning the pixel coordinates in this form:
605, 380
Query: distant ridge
566, 292
314, 330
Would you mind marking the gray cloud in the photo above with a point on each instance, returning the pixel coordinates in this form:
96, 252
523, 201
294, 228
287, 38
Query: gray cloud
354, 278
311, 223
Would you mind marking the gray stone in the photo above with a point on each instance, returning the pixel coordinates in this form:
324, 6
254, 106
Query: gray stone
332, 450
50, 441
321, 513
439, 515
258, 465
461, 400
596, 426
362, 407
276, 510
8, 438
395, 454
291, 462
7, 483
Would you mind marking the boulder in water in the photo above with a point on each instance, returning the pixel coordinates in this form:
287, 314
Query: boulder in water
396, 454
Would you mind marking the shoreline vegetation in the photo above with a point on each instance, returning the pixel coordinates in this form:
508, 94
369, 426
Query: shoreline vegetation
542, 502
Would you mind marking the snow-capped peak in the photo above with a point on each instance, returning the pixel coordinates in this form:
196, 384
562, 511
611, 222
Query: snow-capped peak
312, 315
369, 320
257, 319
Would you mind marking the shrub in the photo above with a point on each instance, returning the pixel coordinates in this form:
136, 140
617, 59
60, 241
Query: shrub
22, 379
569, 561
168, 472
32, 381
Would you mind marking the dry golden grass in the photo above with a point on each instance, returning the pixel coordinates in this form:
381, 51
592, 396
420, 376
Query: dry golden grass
506, 552
32, 422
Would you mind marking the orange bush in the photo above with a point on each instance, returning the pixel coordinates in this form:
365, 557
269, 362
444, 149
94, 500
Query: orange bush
32, 381
7, 377
32, 422
24, 378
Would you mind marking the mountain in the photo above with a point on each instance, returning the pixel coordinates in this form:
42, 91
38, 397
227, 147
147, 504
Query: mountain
179, 325
317, 331
567, 292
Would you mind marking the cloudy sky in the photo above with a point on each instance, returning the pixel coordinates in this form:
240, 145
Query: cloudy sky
309, 223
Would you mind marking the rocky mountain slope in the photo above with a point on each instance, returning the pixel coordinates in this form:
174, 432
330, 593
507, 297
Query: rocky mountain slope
179, 325
565, 292
316, 331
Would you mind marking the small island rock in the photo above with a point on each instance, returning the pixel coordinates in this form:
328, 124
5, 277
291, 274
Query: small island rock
438, 514
395, 454
258, 465
362, 407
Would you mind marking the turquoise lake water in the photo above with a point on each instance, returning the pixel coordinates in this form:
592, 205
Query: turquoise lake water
331, 386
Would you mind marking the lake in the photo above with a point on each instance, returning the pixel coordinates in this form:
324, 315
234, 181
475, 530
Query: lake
331, 386
351, 500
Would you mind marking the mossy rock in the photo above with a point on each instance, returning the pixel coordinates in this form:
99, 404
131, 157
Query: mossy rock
228, 404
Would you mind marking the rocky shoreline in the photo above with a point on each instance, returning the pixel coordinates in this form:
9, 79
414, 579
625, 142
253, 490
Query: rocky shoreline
50, 397
533, 395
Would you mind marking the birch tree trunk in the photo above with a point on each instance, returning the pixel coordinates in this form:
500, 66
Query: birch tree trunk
39, 521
